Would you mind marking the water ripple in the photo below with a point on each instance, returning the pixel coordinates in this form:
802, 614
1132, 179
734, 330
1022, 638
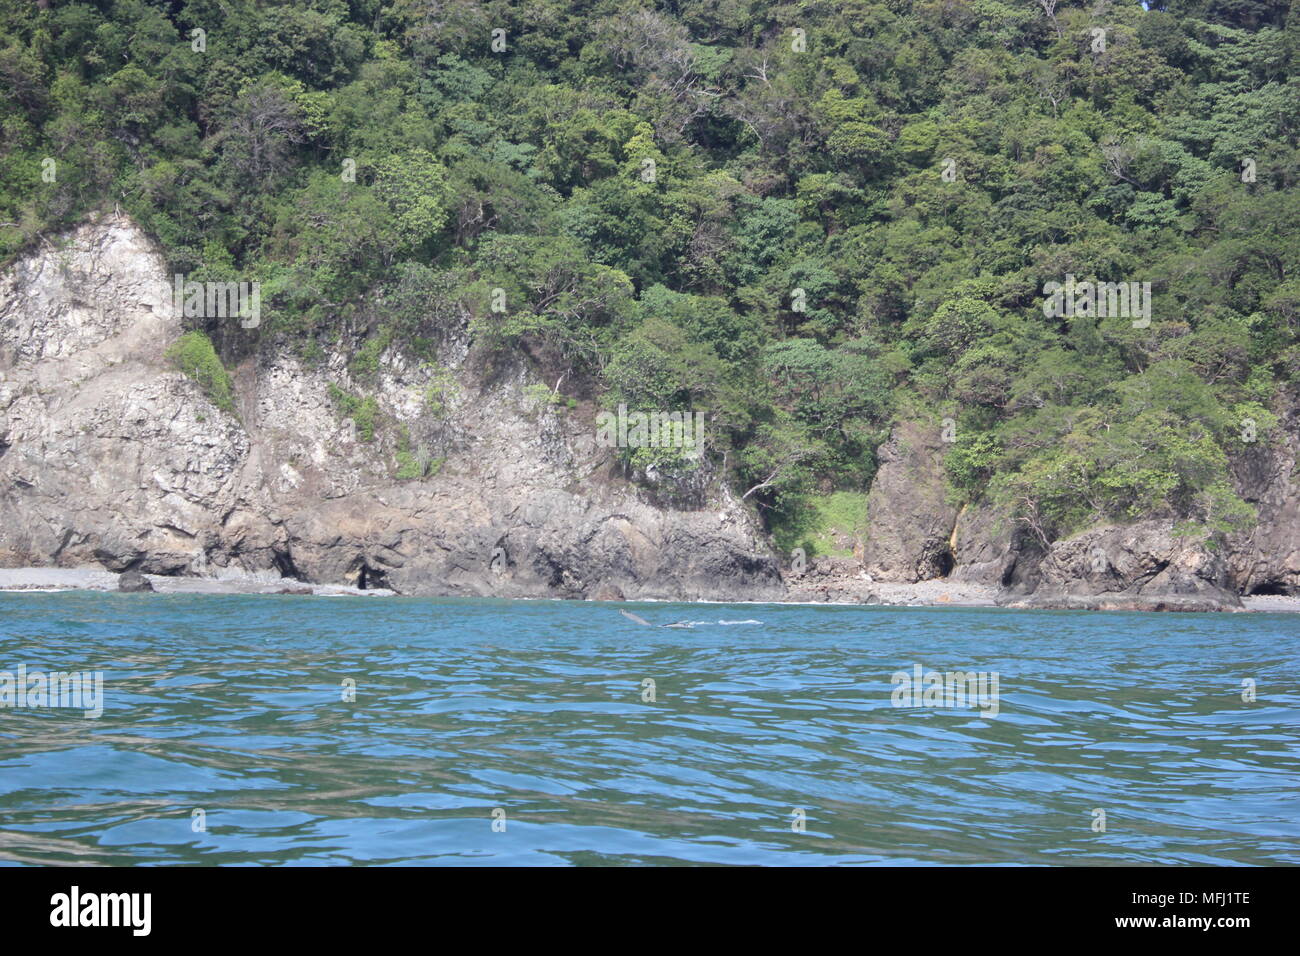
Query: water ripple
770, 736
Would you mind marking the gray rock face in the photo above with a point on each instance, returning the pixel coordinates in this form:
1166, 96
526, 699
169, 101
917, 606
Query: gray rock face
988, 546
109, 457
1143, 566
1267, 559
910, 522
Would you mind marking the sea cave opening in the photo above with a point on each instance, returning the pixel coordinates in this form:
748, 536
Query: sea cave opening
945, 563
1271, 588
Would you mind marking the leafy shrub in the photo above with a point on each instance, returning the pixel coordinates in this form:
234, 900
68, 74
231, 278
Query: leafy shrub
194, 355
364, 412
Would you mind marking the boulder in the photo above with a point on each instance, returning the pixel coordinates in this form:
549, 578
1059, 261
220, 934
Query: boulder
132, 582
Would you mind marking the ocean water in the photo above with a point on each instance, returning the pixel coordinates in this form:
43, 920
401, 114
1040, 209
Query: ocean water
498, 732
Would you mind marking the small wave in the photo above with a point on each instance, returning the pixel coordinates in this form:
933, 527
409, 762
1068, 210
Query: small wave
708, 623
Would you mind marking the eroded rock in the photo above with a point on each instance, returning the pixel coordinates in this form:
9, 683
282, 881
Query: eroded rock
910, 520
1143, 566
110, 457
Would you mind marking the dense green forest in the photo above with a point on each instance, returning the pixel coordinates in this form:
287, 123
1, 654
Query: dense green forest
804, 219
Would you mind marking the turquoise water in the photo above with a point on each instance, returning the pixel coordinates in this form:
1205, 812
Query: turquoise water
530, 715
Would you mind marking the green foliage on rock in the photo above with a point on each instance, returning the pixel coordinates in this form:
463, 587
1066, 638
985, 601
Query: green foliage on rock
194, 355
363, 410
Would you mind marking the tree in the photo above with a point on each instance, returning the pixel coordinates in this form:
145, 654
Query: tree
258, 136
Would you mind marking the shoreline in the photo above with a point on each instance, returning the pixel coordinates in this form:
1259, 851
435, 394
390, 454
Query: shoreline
934, 593
98, 579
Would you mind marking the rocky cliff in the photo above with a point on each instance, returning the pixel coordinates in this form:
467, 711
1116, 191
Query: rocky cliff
916, 534
109, 456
